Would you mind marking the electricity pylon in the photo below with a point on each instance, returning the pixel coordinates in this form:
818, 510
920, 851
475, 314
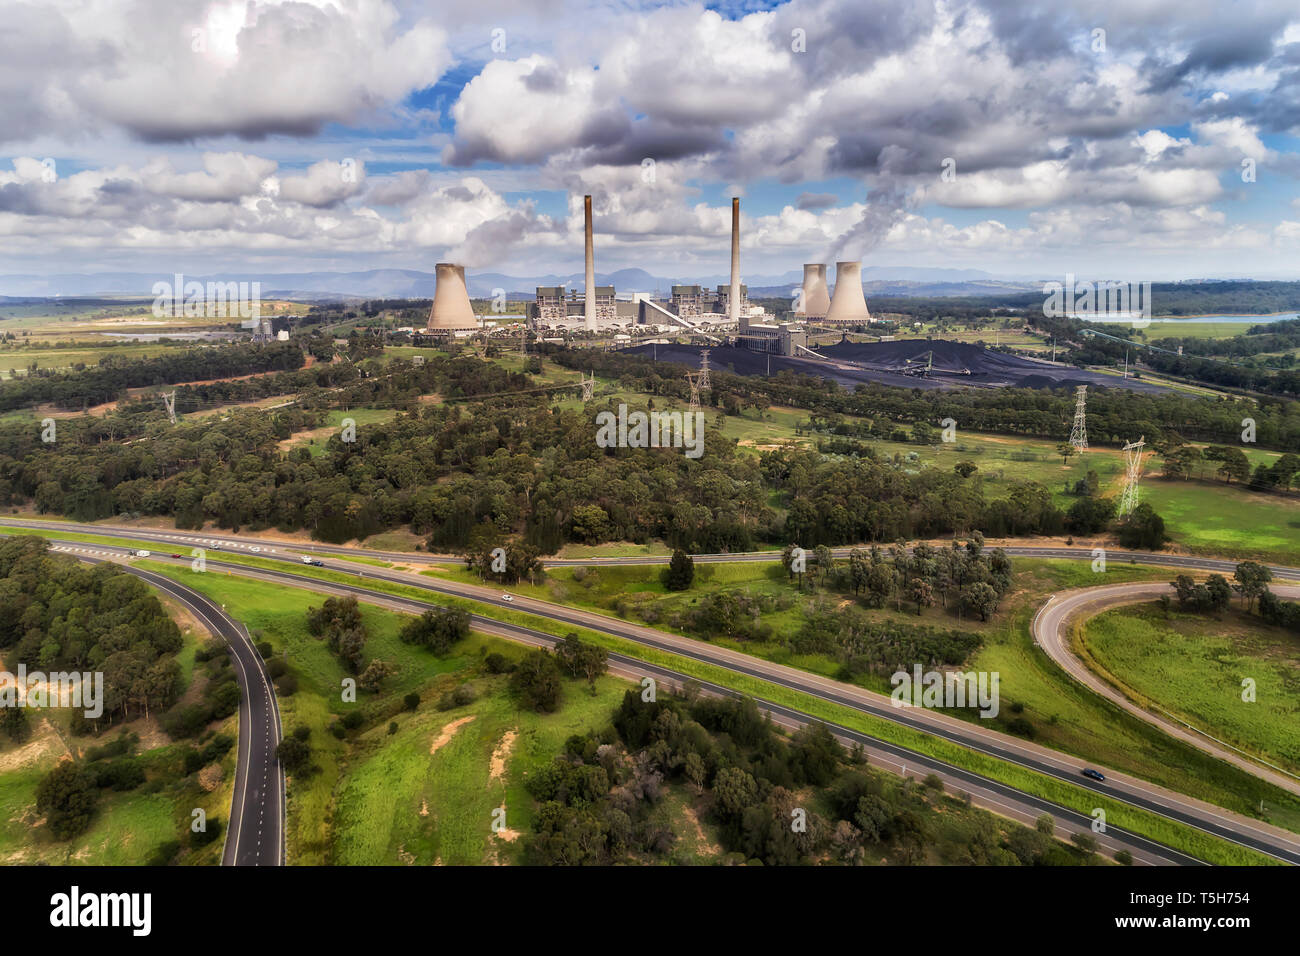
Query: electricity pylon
1079, 433
1133, 456
694, 380
588, 387
704, 370
170, 401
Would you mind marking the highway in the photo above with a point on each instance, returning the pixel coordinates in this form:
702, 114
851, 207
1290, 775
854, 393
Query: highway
254, 544
255, 829
1222, 823
1051, 627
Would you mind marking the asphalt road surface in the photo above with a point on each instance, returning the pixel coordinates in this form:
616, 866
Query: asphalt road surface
255, 830
272, 547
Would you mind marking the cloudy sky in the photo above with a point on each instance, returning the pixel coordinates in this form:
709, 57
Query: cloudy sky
1120, 138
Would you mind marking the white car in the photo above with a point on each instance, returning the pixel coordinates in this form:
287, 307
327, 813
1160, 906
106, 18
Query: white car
141, 554
507, 597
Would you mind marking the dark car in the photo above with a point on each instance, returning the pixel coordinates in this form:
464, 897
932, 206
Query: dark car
316, 564
177, 556
1094, 774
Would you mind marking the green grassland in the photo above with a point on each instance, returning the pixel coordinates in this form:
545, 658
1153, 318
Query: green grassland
65, 358
1193, 329
400, 804
1192, 666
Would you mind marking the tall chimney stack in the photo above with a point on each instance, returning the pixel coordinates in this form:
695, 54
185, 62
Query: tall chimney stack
733, 297
590, 310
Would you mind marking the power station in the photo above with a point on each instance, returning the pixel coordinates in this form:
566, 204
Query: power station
713, 315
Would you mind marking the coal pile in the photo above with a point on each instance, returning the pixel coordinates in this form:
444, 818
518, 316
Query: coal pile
910, 363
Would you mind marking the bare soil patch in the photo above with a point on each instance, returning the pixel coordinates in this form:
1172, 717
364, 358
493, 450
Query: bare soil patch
447, 732
502, 754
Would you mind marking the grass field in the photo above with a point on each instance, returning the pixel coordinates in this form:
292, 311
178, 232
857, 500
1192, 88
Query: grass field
401, 804
1192, 666
65, 358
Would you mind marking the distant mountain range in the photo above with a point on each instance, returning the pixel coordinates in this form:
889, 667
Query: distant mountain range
413, 284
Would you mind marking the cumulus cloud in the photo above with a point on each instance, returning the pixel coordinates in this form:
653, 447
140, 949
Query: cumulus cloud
166, 71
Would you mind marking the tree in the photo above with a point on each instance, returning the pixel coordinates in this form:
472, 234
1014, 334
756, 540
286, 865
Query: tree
1235, 465
1090, 515
980, 598
965, 468
581, 659
1252, 581
680, 572
13, 721
372, 678
1143, 529
294, 753
438, 629
67, 795
536, 682
1066, 451
922, 593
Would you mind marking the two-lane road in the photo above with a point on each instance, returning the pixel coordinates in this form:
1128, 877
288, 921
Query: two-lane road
255, 831
1051, 631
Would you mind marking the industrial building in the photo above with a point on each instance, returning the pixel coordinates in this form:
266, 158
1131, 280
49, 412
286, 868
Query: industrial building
723, 312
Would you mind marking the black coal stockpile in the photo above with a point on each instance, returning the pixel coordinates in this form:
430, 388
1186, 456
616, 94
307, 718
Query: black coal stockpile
909, 363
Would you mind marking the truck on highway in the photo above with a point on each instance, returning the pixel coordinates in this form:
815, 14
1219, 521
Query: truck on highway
308, 559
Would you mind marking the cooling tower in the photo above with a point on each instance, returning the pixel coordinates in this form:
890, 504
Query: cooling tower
451, 309
589, 310
816, 296
848, 304
734, 313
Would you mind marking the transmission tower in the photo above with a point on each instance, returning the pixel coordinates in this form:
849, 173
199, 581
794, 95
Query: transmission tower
704, 370
170, 401
1079, 433
588, 387
1133, 457
694, 379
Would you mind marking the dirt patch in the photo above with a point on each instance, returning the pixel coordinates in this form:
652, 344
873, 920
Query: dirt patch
44, 744
210, 777
502, 754
769, 446
447, 732
151, 734
703, 845
300, 438
424, 808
